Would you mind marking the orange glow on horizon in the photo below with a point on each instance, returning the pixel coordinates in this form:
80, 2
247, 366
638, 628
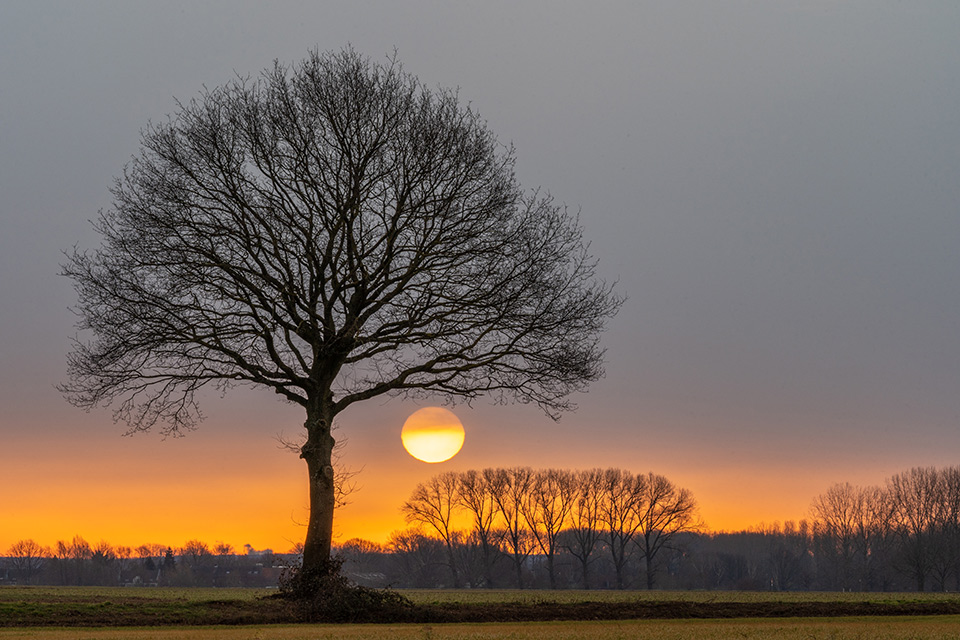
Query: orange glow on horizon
216, 486
272, 514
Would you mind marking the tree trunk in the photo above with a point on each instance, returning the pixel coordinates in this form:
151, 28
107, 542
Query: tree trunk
452, 560
317, 452
488, 564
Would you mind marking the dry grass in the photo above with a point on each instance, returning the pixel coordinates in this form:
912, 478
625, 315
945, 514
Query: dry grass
907, 628
11, 594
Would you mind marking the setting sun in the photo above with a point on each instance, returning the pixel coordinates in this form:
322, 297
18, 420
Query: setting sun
432, 434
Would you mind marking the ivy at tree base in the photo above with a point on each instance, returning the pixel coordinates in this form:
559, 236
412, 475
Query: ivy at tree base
324, 594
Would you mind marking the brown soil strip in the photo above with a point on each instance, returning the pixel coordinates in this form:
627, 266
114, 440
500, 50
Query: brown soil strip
159, 612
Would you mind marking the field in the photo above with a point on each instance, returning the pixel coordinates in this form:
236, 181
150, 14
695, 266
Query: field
242, 614
910, 628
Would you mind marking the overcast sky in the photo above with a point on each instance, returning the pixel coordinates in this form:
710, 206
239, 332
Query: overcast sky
775, 186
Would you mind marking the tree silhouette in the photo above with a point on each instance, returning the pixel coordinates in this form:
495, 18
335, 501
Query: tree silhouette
333, 231
432, 505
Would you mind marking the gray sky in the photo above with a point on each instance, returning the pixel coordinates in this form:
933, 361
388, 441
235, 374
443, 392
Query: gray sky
774, 185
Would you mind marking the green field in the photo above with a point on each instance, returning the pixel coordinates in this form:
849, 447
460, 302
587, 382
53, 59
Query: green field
10, 594
477, 596
92, 613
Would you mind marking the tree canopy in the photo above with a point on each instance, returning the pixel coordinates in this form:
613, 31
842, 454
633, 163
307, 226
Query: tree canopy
335, 231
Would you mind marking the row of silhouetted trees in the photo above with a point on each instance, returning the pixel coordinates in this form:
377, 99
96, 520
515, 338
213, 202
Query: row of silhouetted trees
614, 529
78, 562
599, 528
529, 515
909, 528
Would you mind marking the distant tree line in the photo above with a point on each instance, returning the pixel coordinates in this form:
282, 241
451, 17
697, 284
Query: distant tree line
613, 529
81, 563
600, 528
523, 516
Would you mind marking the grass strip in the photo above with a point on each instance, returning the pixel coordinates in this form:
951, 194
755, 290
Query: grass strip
905, 628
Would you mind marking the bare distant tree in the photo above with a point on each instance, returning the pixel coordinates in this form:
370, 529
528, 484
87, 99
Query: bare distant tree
852, 534
836, 515
124, 557
951, 517
224, 552
196, 554
510, 488
914, 495
26, 559
433, 504
359, 554
664, 511
151, 557
876, 537
621, 492
549, 500
945, 533
332, 231
80, 553
476, 497
103, 561
414, 555
788, 552
59, 554
585, 528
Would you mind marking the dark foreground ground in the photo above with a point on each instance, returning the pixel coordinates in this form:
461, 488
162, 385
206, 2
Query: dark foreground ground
50, 607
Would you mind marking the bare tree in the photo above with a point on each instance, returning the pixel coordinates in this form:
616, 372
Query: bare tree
876, 537
510, 488
621, 492
836, 514
223, 549
476, 497
548, 503
433, 504
123, 557
26, 559
59, 553
225, 560
945, 527
851, 532
196, 554
414, 555
585, 531
951, 518
332, 231
664, 511
359, 553
914, 495
103, 558
80, 553
788, 551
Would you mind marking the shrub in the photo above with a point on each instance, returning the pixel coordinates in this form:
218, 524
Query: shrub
326, 595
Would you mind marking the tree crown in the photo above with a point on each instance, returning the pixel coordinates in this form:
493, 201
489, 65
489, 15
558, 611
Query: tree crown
332, 230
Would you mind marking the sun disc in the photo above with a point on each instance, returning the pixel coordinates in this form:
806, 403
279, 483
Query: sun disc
432, 434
